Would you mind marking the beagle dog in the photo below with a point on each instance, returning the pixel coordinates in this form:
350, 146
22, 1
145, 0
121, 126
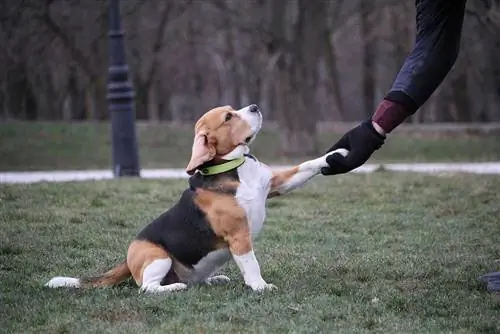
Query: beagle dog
216, 218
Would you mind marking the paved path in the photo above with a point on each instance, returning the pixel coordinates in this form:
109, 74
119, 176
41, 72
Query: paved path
82, 175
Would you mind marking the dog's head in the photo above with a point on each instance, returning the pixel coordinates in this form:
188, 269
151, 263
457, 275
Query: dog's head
224, 134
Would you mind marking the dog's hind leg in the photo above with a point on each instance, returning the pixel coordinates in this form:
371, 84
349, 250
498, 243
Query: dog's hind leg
149, 264
154, 273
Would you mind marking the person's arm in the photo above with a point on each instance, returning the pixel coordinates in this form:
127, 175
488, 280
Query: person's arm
439, 30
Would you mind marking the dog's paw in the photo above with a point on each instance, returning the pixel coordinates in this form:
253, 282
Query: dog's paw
217, 280
157, 288
342, 151
263, 287
321, 162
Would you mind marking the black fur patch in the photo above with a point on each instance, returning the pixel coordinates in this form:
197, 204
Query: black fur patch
215, 182
184, 231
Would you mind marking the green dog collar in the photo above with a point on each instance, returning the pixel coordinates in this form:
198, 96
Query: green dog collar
222, 168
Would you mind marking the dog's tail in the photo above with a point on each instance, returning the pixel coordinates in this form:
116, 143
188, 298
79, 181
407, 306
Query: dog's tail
114, 276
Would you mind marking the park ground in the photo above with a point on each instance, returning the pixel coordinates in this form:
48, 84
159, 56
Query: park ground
362, 253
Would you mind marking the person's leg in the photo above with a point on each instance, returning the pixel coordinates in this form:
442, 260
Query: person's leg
439, 29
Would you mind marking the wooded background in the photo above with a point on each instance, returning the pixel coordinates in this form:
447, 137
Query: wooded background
303, 61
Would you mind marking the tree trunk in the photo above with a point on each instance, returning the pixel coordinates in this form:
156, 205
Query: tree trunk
153, 108
29, 105
442, 111
369, 53
493, 75
298, 133
70, 100
141, 101
235, 94
297, 78
90, 103
100, 94
331, 63
164, 104
459, 95
4, 101
67, 112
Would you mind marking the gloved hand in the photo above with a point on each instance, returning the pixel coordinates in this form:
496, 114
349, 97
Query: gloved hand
361, 142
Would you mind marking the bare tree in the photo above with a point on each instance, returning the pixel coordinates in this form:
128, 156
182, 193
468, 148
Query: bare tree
331, 16
369, 53
303, 61
151, 25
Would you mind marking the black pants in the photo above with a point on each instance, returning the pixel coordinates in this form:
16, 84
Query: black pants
439, 29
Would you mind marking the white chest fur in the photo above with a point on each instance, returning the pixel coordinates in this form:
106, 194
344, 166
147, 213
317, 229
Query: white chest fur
255, 183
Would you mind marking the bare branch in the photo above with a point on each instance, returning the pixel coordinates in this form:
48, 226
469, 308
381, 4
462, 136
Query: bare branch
485, 20
58, 31
158, 44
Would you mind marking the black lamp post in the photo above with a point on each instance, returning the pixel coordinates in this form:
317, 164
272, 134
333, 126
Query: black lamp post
121, 101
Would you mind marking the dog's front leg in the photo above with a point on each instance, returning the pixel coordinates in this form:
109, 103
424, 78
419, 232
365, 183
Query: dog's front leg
289, 179
240, 245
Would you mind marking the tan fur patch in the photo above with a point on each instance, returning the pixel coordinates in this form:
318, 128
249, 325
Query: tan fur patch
114, 276
281, 177
227, 219
223, 134
140, 254
218, 132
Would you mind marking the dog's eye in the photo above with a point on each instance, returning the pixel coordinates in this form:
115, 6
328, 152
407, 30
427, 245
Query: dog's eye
229, 116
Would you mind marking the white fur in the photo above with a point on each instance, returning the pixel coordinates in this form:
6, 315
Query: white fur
61, 281
153, 275
157, 288
341, 151
238, 152
254, 121
255, 183
307, 170
250, 269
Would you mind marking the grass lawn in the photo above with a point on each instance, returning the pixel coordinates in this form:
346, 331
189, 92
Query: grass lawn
40, 146
384, 252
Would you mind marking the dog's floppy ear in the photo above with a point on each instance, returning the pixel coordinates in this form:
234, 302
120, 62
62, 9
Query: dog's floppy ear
203, 151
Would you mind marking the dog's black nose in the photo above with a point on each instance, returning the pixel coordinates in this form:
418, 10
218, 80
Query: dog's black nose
253, 108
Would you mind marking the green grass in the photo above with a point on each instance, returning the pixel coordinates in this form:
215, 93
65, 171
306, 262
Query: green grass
384, 252
40, 146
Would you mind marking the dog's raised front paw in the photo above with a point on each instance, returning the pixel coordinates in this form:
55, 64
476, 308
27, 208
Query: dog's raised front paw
341, 151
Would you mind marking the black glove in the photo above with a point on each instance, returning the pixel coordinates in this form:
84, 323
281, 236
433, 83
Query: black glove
361, 142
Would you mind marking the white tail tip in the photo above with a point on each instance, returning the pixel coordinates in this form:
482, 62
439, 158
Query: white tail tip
60, 281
